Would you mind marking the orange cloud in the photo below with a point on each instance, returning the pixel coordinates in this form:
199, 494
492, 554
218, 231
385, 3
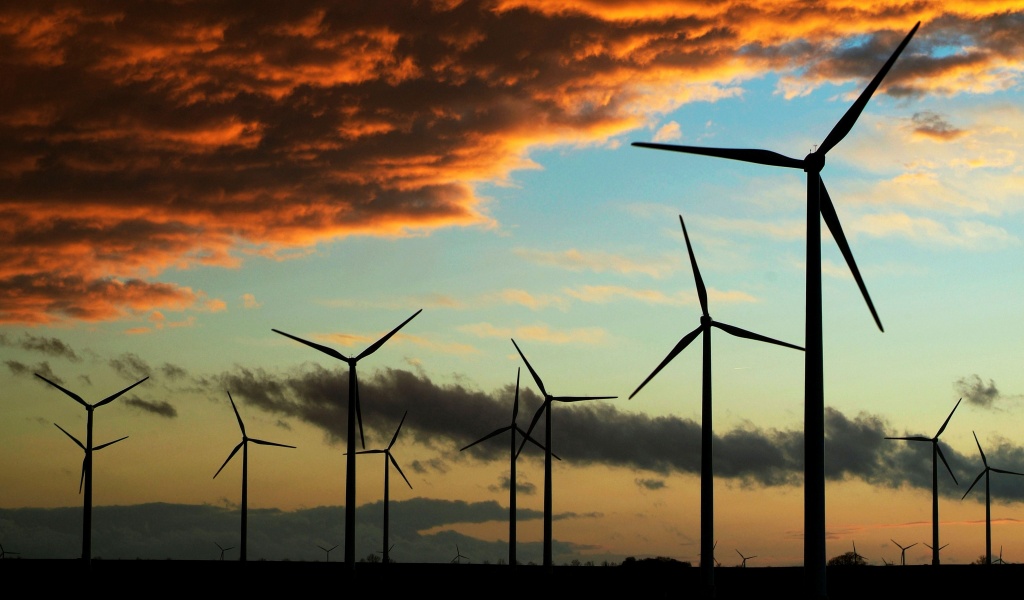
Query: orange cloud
141, 138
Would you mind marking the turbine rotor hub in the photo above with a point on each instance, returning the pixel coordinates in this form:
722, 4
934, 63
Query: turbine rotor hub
705, 320
814, 162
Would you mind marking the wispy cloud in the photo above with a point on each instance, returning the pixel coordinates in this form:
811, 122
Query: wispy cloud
601, 262
539, 332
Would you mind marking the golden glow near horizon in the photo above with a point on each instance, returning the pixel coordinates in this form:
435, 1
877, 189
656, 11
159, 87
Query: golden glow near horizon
178, 180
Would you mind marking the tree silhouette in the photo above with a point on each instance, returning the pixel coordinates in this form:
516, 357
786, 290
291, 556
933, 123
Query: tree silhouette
847, 559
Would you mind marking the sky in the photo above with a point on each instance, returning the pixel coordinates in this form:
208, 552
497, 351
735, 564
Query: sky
179, 179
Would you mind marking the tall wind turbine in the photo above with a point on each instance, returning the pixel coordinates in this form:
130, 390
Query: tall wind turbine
545, 409
819, 205
936, 455
354, 414
707, 478
86, 479
244, 447
988, 499
903, 551
513, 428
388, 457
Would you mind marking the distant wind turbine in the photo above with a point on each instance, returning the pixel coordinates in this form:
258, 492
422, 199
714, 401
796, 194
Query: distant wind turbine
857, 558
354, 414
223, 550
545, 410
903, 551
988, 498
819, 206
244, 447
86, 479
4, 553
327, 550
513, 428
936, 455
745, 559
389, 458
707, 478
458, 556
935, 550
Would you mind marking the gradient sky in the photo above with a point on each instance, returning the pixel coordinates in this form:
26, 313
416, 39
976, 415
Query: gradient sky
178, 178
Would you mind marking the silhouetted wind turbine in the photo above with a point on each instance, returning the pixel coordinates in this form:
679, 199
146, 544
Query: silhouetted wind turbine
857, 558
819, 206
223, 550
903, 551
4, 553
388, 457
545, 409
513, 428
86, 478
707, 482
1000, 560
458, 556
327, 550
354, 414
244, 446
745, 559
936, 454
935, 552
988, 500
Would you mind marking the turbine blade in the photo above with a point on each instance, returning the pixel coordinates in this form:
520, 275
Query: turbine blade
536, 377
1004, 471
376, 451
515, 405
241, 425
913, 438
702, 292
266, 443
395, 437
581, 398
536, 417
73, 438
81, 480
527, 438
113, 397
488, 436
73, 395
679, 347
828, 213
976, 480
943, 428
324, 349
102, 446
395, 462
761, 157
359, 408
982, 452
743, 333
845, 124
228, 459
943, 457
381, 341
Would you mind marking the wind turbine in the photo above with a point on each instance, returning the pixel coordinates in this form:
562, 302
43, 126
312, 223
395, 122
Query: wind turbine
903, 551
935, 552
936, 454
458, 556
244, 446
707, 480
819, 206
1000, 561
86, 479
223, 550
327, 550
354, 414
745, 559
988, 500
545, 409
513, 428
388, 457
4, 553
857, 558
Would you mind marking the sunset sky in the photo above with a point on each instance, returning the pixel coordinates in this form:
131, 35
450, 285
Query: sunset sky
177, 179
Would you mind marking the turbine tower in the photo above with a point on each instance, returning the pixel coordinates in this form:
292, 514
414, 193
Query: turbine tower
545, 409
244, 447
819, 206
936, 455
512, 429
988, 499
388, 457
86, 479
707, 477
354, 414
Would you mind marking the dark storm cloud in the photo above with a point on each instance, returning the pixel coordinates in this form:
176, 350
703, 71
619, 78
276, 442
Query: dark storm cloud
976, 392
130, 366
650, 484
446, 417
43, 368
173, 372
141, 138
934, 125
47, 345
160, 407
